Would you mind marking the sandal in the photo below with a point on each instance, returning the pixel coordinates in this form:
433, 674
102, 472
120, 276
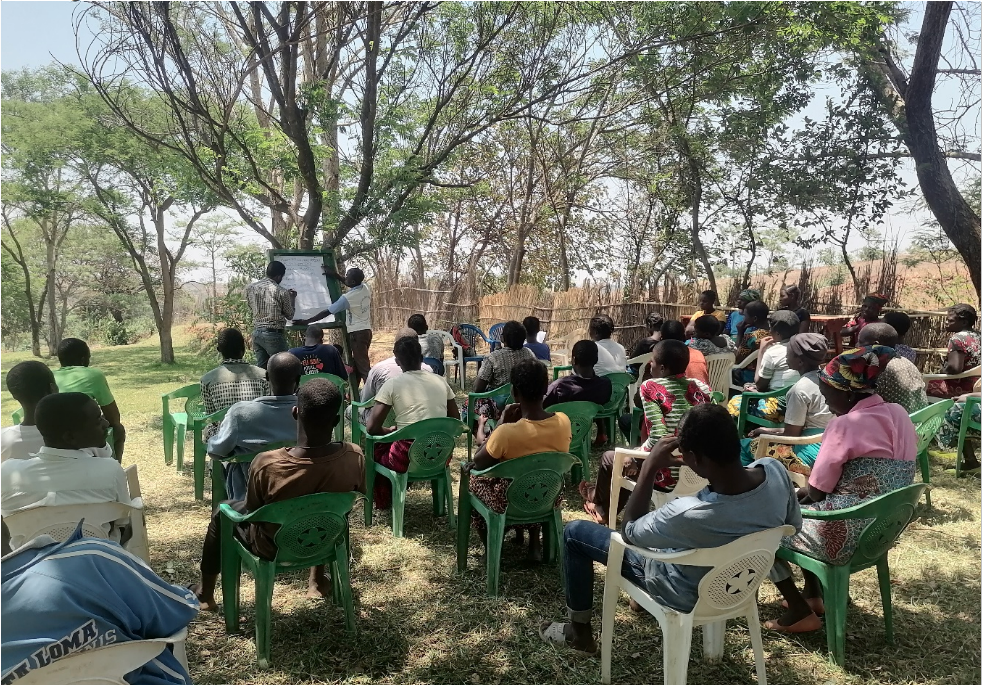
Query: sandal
817, 605
586, 490
555, 634
808, 624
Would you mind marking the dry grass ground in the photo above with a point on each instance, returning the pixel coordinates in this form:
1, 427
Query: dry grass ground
419, 621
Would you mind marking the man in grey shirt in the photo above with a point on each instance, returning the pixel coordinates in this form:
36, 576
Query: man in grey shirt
383, 371
738, 501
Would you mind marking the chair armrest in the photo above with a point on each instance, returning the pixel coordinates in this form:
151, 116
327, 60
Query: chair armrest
362, 405
789, 440
231, 514
752, 357
489, 393
617, 539
557, 369
205, 420
954, 376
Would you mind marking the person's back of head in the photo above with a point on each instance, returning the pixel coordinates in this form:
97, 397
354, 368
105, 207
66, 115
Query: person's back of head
708, 432
585, 356
900, 322
756, 312
30, 381
878, 333
231, 343
783, 323
671, 357
354, 277
513, 335
276, 271
70, 420
283, 372
654, 322
601, 327
673, 330
408, 353
418, 323
318, 403
529, 381
706, 326
314, 335
73, 352
532, 326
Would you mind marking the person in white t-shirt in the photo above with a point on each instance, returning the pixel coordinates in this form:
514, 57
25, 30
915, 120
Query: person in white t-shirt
615, 359
773, 372
414, 395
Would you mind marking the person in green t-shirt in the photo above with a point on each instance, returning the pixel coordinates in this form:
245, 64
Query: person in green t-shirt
76, 376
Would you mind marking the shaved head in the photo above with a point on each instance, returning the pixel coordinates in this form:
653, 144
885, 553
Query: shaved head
283, 373
878, 334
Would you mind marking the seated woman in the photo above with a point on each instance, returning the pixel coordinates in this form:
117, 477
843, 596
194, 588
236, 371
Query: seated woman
495, 371
707, 307
951, 426
772, 372
431, 343
653, 323
806, 412
963, 352
525, 428
901, 324
869, 449
707, 339
733, 319
750, 332
414, 395
868, 313
790, 299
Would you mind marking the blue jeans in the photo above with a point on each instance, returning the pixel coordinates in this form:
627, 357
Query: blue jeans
584, 543
266, 342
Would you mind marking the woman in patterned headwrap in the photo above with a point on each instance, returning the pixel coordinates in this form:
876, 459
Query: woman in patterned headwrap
868, 313
733, 319
868, 450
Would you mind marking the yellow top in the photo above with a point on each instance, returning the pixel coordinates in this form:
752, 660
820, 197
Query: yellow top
718, 313
524, 437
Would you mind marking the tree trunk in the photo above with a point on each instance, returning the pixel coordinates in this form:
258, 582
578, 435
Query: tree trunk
51, 262
697, 247
166, 317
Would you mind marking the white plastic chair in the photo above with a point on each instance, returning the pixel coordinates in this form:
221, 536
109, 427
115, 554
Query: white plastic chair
764, 442
720, 367
106, 664
456, 360
751, 358
728, 590
641, 359
928, 377
689, 483
562, 346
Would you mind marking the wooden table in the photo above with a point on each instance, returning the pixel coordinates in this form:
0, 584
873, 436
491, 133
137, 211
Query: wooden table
832, 326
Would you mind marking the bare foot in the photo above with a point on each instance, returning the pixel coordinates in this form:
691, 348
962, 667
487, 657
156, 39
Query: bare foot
534, 555
207, 603
594, 511
320, 589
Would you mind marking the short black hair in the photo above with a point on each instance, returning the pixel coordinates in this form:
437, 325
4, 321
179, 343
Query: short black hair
711, 294
73, 352
672, 354
673, 330
530, 379
275, 269
899, 320
418, 323
318, 401
29, 381
783, 322
965, 312
585, 353
357, 274
710, 432
532, 325
59, 413
513, 335
601, 327
231, 343
314, 332
707, 325
757, 310
409, 350
653, 322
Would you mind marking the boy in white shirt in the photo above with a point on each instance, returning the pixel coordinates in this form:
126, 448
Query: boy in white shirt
615, 359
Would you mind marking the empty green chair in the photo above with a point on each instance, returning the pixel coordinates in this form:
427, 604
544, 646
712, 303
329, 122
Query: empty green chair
218, 491
313, 530
499, 395
197, 424
342, 386
433, 444
888, 516
927, 421
750, 399
175, 423
536, 481
581, 416
967, 422
619, 385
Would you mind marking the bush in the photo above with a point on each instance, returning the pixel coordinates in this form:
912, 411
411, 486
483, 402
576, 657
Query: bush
115, 333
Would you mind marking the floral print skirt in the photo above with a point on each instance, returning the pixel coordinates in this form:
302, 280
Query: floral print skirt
952, 423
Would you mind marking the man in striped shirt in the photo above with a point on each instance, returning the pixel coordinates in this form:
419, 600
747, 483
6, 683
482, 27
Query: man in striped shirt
272, 306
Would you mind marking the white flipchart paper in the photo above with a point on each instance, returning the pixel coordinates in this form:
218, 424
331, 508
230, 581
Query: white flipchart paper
305, 274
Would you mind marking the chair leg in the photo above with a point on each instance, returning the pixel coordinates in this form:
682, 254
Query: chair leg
344, 584
399, 486
924, 463
231, 577
496, 537
448, 498
463, 529
960, 449
712, 640
168, 430
612, 586
886, 597
182, 431
557, 543
265, 577
756, 640
677, 644
199, 470
836, 607
369, 487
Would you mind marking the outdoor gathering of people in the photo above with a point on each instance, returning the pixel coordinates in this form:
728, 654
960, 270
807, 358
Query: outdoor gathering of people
772, 421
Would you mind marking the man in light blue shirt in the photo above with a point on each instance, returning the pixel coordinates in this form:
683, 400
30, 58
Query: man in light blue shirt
249, 427
738, 501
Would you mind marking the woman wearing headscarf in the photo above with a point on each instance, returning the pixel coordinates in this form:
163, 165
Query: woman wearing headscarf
963, 352
805, 413
868, 450
733, 319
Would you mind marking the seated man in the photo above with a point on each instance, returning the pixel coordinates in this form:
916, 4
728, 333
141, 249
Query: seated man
64, 470
76, 376
414, 395
430, 341
29, 382
316, 464
316, 357
236, 380
248, 426
738, 501
900, 382
60, 598
583, 385
532, 329
707, 339
612, 355
383, 371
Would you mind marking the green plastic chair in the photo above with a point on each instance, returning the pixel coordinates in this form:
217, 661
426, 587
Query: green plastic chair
609, 413
927, 421
745, 403
888, 516
17, 416
175, 423
966, 423
313, 531
557, 369
429, 456
500, 395
197, 424
536, 481
342, 386
636, 413
218, 491
581, 416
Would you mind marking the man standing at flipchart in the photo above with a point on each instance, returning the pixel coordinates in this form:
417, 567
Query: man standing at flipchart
272, 306
357, 302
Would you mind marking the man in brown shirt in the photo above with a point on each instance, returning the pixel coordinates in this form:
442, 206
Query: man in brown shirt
316, 464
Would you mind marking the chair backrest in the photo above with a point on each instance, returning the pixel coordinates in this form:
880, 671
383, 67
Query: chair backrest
449, 340
581, 415
61, 521
339, 383
927, 421
186, 392
194, 407
433, 444
717, 397
17, 416
890, 514
309, 526
536, 481
494, 333
748, 360
102, 665
719, 367
689, 483
471, 333
619, 384
968, 415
